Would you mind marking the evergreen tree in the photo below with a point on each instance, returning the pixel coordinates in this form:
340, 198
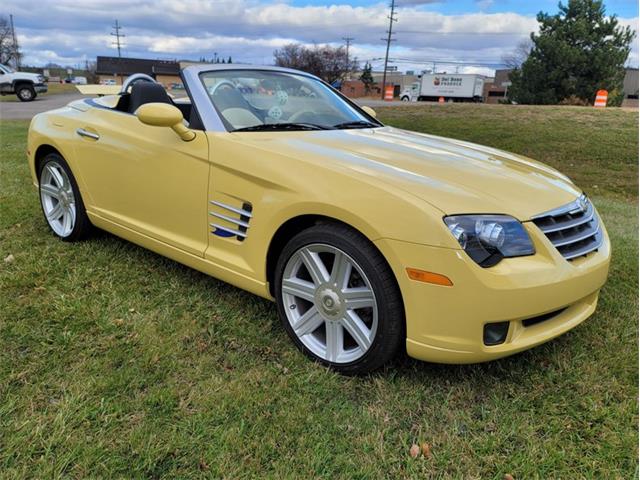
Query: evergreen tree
577, 51
367, 78
229, 61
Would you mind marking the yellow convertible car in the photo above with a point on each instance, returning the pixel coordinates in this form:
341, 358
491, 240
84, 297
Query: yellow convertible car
369, 238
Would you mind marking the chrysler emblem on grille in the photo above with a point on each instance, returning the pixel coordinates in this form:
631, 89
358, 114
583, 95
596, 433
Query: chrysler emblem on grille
582, 204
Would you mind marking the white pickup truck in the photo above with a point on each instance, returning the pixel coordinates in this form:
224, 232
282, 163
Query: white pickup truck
25, 85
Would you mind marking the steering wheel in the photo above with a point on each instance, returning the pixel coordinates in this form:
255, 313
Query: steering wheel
298, 115
137, 77
225, 83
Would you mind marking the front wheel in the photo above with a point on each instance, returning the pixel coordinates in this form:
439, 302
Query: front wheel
406, 99
338, 299
60, 199
25, 93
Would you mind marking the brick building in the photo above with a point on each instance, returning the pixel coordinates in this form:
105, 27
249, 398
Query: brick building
166, 72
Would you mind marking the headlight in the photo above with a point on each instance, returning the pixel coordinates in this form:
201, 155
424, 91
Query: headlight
487, 239
40, 79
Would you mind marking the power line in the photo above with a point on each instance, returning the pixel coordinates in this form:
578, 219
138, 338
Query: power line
392, 19
437, 60
447, 62
118, 35
427, 32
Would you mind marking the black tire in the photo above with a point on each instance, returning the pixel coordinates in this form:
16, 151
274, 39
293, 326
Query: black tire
82, 227
26, 92
390, 333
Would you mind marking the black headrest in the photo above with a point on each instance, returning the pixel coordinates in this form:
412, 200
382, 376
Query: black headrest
147, 92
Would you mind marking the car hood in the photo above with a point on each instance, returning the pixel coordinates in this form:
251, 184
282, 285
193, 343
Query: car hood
29, 76
454, 176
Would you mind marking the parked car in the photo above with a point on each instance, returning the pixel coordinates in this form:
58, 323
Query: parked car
24, 85
370, 239
79, 80
108, 82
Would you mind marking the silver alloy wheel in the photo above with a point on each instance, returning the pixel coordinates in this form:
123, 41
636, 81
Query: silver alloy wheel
330, 303
58, 201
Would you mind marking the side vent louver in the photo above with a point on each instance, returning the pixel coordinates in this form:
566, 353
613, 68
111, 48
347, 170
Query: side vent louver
230, 221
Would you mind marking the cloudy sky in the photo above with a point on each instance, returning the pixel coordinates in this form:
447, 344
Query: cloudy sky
473, 35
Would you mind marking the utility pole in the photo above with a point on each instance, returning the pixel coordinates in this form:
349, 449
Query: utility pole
392, 19
16, 54
118, 35
348, 41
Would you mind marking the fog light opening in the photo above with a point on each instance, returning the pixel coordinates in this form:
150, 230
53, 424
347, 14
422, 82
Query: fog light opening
495, 333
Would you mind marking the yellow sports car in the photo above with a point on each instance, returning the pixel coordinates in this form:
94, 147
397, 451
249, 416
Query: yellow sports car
368, 237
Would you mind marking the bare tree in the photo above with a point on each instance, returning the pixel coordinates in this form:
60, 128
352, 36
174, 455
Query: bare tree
327, 62
9, 51
517, 57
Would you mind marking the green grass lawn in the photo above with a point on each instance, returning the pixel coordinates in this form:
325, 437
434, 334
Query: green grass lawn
116, 362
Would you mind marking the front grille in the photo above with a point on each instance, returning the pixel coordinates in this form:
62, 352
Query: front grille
574, 229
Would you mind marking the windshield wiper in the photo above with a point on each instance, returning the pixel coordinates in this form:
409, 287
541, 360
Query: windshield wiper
357, 124
281, 126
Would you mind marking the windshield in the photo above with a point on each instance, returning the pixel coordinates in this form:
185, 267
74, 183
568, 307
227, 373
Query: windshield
254, 100
7, 68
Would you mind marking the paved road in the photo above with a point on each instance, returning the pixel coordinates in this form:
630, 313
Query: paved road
17, 110
384, 103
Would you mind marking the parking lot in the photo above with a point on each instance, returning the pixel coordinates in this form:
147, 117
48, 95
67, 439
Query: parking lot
13, 109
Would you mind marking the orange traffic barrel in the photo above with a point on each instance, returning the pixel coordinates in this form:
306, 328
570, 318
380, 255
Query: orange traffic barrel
388, 93
441, 100
601, 99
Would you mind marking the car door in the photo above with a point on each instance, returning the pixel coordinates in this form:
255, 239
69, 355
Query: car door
145, 178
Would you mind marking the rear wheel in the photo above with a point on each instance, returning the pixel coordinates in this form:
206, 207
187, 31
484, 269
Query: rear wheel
25, 92
338, 299
60, 199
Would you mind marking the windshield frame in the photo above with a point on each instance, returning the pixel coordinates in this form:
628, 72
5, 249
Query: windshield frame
209, 115
7, 69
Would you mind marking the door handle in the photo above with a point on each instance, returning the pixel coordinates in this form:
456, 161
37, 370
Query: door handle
84, 133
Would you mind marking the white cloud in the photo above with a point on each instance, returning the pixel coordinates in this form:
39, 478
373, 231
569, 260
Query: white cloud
249, 30
484, 4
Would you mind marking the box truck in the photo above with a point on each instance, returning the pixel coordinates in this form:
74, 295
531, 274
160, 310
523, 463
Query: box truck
457, 88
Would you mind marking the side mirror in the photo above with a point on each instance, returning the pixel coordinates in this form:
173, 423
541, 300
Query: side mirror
370, 111
164, 115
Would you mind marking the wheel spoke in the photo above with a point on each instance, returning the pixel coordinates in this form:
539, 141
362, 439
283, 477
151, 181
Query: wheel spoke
314, 265
298, 288
334, 339
50, 190
66, 217
361, 297
308, 322
56, 176
341, 270
357, 329
72, 216
56, 212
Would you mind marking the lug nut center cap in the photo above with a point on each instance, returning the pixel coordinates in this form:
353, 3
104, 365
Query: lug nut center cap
329, 302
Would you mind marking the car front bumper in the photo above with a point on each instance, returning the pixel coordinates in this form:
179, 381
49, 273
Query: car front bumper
41, 87
445, 324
